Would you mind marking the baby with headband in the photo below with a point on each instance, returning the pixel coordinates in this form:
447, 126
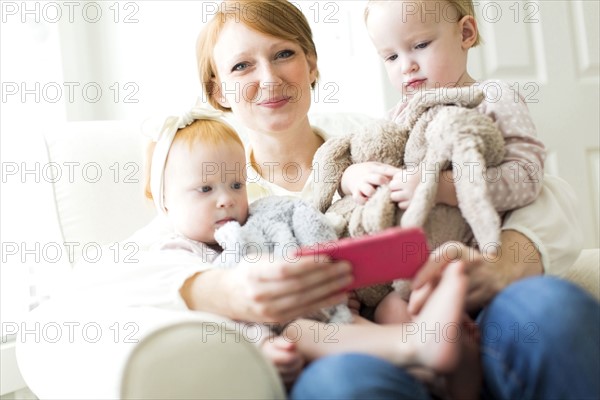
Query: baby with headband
197, 181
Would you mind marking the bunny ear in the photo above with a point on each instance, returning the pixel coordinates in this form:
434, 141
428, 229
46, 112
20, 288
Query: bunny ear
330, 162
466, 96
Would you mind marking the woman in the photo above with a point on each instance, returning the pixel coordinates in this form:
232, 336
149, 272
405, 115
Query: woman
257, 60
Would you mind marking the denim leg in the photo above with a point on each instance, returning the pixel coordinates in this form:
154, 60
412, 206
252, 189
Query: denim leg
356, 376
540, 338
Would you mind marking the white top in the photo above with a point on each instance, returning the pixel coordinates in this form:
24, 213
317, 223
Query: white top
258, 187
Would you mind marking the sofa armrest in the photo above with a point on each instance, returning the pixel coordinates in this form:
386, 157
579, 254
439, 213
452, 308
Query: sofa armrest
70, 352
199, 360
586, 271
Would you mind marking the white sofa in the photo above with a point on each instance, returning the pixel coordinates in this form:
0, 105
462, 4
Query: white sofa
171, 354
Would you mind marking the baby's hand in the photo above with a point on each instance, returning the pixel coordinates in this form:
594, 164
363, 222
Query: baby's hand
361, 180
286, 358
404, 184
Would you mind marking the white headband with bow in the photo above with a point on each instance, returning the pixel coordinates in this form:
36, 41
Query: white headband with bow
164, 138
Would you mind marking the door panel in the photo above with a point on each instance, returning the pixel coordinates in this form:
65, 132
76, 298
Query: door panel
550, 51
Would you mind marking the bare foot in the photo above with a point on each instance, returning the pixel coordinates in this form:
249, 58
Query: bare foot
466, 380
435, 341
286, 358
358, 320
393, 309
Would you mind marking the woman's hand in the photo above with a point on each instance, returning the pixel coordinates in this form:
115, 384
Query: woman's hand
361, 180
481, 289
269, 291
516, 258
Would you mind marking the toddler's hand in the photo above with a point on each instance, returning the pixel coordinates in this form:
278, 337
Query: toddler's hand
286, 358
404, 184
361, 180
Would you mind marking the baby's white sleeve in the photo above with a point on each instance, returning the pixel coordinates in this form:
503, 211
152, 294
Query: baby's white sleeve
552, 223
147, 277
152, 280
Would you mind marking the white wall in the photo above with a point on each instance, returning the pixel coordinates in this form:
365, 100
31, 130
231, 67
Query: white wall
145, 52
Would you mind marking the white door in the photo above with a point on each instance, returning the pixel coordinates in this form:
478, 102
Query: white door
549, 49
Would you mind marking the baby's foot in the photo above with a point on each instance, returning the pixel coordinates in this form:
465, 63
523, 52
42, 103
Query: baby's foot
286, 358
436, 341
393, 309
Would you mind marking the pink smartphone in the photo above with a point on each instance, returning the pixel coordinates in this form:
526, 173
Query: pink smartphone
396, 253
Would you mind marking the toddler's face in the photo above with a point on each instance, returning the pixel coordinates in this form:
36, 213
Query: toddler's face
421, 43
205, 188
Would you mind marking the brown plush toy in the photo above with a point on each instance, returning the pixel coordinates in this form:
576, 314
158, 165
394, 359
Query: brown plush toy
442, 130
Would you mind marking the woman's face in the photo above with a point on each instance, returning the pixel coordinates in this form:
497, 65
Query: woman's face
265, 80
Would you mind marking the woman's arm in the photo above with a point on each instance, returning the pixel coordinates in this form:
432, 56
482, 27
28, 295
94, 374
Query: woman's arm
516, 259
275, 291
543, 237
552, 222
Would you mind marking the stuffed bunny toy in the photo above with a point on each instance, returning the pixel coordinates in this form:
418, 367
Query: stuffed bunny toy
280, 226
441, 129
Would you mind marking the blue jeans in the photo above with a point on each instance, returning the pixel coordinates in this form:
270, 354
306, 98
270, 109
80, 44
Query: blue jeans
540, 338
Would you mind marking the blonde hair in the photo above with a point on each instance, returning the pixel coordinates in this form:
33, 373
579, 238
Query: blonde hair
462, 8
209, 132
278, 18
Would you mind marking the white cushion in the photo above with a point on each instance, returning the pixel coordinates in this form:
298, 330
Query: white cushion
104, 201
109, 208
586, 271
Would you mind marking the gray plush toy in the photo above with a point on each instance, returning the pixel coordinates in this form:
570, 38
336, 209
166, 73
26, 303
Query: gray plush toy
278, 225
441, 128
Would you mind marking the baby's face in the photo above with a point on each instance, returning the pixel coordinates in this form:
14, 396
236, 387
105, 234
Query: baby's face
421, 43
205, 188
